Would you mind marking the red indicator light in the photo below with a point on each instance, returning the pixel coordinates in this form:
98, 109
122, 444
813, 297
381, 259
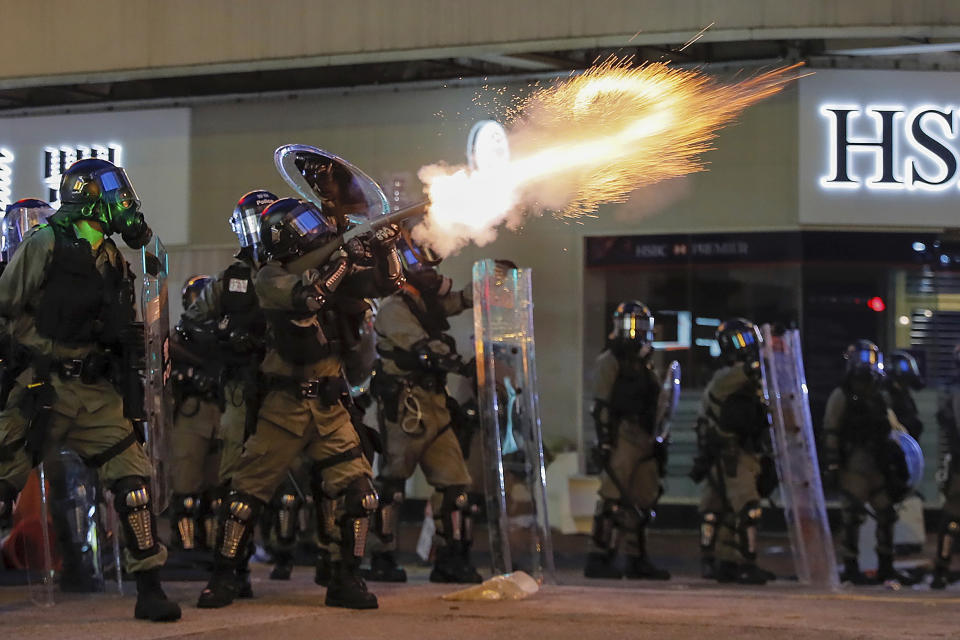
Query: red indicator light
876, 303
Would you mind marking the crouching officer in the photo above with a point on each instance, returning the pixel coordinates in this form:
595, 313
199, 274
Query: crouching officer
732, 428
67, 297
194, 443
862, 460
625, 395
416, 354
311, 317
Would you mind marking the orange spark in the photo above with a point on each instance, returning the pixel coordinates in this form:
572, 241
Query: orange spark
588, 140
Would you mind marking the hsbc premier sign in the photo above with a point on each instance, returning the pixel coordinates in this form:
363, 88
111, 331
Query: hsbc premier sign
879, 148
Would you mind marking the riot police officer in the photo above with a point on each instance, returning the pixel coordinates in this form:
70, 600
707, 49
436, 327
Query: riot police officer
862, 460
194, 442
18, 219
226, 322
625, 395
67, 301
311, 316
732, 438
902, 377
948, 418
416, 355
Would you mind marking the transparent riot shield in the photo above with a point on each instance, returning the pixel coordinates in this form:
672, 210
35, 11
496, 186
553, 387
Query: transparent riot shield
667, 400
514, 469
157, 367
31, 546
81, 534
785, 388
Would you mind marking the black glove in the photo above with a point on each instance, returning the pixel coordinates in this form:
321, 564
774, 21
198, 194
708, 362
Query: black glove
385, 237
469, 368
135, 231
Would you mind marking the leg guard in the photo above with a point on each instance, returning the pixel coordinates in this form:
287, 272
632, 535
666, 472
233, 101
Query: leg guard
240, 513
184, 509
211, 516
748, 520
709, 521
359, 502
387, 518
853, 517
132, 502
605, 526
886, 519
450, 516
287, 510
347, 588
8, 495
949, 529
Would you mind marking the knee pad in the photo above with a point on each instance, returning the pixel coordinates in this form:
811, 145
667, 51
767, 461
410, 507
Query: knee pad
132, 502
287, 506
360, 498
750, 514
709, 521
454, 499
241, 513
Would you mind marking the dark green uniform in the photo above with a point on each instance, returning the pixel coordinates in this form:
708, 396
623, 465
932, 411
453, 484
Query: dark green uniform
625, 394
731, 430
416, 354
65, 305
857, 440
948, 419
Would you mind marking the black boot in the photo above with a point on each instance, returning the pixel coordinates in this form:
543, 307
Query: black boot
449, 567
851, 573
244, 586
750, 573
640, 568
324, 569
152, 603
886, 571
222, 589
708, 568
384, 568
941, 577
347, 589
283, 567
600, 564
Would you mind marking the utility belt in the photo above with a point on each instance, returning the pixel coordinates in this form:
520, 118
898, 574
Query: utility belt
329, 390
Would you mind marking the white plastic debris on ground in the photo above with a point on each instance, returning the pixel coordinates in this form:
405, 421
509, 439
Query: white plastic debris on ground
509, 586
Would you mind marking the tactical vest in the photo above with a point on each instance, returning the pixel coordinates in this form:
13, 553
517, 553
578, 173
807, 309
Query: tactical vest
865, 420
635, 393
239, 306
432, 318
305, 339
79, 305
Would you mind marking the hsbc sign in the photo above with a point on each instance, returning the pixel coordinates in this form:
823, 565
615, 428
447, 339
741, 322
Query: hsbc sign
908, 149
879, 147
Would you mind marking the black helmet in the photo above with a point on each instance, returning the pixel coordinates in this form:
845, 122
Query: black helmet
902, 367
192, 288
245, 220
864, 358
739, 340
103, 192
632, 323
291, 227
20, 217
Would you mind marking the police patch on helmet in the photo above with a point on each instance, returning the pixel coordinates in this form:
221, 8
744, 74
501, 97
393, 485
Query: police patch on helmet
79, 184
275, 234
237, 285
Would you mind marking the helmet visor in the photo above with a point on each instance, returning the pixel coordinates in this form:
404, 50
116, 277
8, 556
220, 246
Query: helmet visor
117, 190
246, 224
308, 225
633, 326
17, 222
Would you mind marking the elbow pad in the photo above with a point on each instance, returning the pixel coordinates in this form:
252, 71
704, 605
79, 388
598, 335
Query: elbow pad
317, 287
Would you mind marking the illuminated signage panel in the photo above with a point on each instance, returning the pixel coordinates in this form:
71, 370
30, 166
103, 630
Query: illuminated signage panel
152, 145
879, 147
